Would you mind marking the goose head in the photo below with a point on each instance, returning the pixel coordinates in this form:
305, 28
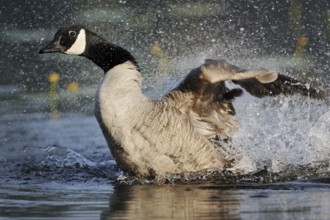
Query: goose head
78, 40
69, 40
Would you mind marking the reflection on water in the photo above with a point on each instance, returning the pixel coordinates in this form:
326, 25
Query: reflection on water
171, 202
309, 200
219, 202
53, 200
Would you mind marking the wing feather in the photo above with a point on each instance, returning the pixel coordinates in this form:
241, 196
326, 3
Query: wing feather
207, 102
282, 85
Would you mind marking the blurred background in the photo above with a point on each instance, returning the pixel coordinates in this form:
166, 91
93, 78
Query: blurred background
237, 30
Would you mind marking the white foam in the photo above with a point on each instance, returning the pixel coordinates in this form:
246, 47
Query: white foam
280, 131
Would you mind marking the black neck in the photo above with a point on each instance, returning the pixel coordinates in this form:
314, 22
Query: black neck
105, 54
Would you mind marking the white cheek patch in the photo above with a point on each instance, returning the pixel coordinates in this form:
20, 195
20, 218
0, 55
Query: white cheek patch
78, 47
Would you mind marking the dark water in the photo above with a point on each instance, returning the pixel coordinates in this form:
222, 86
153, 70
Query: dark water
60, 167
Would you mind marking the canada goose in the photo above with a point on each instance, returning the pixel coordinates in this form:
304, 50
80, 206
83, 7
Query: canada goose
171, 135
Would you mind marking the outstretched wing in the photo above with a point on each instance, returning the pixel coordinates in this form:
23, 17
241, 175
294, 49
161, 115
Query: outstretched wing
207, 102
261, 82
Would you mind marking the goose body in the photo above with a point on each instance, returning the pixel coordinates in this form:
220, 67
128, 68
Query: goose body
171, 135
143, 134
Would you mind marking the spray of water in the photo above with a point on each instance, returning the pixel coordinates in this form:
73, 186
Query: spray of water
279, 134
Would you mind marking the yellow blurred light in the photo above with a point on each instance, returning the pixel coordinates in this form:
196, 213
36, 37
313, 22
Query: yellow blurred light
156, 50
54, 77
302, 41
73, 86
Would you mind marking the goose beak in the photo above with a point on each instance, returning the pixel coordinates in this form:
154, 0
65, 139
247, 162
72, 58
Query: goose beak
52, 47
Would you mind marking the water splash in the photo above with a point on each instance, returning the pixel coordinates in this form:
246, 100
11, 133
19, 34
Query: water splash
287, 135
43, 164
284, 137
282, 131
54, 155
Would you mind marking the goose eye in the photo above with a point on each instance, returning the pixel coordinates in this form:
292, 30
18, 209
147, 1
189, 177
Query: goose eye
72, 33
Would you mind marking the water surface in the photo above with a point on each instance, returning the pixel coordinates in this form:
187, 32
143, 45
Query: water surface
61, 168
58, 166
